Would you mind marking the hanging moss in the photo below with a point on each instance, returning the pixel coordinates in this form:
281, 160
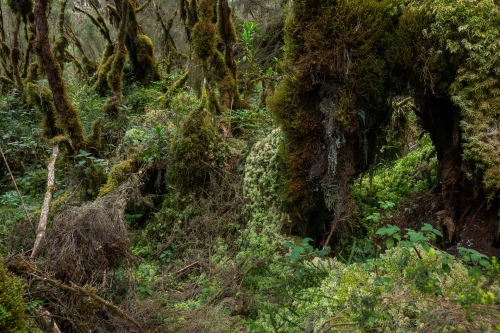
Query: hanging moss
225, 26
60, 45
42, 100
205, 10
190, 17
145, 58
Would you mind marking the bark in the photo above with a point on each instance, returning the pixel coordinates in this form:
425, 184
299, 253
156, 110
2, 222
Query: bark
51, 187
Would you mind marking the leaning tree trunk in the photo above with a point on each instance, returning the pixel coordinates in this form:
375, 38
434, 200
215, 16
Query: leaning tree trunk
68, 118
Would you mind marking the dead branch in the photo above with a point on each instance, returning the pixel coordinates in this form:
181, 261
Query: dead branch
187, 267
113, 309
51, 187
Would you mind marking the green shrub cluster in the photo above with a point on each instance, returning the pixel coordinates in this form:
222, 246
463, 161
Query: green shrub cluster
409, 288
395, 182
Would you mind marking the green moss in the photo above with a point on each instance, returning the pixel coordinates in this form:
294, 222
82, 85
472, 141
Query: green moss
206, 10
115, 81
33, 72
146, 58
197, 149
226, 30
12, 307
204, 40
101, 85
41, 98
118, 174
346, 112
94, 139
6, 81
262, 189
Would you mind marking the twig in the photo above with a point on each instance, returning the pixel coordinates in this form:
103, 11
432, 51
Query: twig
17, 189
51, 187
187, 267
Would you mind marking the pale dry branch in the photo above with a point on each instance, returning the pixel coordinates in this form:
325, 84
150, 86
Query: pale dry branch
51, 187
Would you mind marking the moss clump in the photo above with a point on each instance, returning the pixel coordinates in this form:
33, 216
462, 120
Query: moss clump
41, 98
262, 189
197, 149
146, 60
12, 307
94, 139
204, 40
206, 10
118, 174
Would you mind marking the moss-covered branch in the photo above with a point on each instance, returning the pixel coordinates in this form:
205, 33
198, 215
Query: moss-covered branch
67, 117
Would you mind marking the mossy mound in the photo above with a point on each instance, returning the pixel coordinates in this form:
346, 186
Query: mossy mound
12, 307
197, 149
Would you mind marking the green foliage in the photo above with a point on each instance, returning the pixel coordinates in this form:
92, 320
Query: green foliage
197, 148
404, 289
412, 173
12, 307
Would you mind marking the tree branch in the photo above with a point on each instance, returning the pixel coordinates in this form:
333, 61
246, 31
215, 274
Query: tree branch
51, 187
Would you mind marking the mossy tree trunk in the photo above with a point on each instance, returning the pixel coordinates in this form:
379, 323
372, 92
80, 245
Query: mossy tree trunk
67, 117
229, 95
116, 63
140, 47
